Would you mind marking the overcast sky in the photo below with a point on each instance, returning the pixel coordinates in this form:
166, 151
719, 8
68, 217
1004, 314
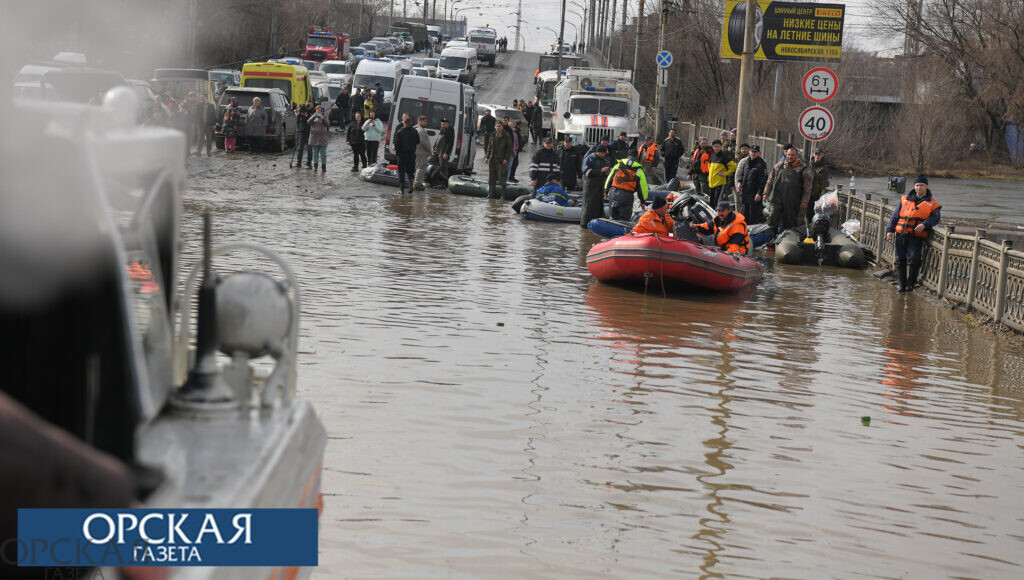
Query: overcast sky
501, 15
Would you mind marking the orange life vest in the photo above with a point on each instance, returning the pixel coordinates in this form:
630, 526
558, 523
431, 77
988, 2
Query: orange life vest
652, 223
913, 213
704, 163
646, 154
738, 225
625, 178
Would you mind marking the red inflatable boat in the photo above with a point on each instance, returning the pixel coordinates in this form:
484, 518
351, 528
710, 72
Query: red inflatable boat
675, 263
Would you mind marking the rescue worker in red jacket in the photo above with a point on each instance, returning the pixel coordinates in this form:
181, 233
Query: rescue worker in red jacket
656, 220
908, 227
729, 228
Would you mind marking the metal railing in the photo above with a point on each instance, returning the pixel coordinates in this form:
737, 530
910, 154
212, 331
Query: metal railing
985, 276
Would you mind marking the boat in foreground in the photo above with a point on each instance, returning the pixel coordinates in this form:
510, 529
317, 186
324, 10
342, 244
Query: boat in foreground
677, 264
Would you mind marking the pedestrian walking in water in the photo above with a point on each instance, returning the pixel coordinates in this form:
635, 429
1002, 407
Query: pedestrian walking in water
206, 118
537, 123
517, 147
229, 125
917, 214
496, 156
788, 189
357, 141
302, 116
342, 104
318, 134
751, 176
544, 163
423, 151
570, 165
407, 141
596, 166
256, 125
373, 130
626, 179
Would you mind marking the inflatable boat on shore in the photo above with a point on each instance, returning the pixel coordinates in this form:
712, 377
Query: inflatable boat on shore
462, 185
676, 264
381, 173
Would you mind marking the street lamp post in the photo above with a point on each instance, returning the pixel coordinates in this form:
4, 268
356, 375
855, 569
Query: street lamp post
583, 23
451, 15
561, 36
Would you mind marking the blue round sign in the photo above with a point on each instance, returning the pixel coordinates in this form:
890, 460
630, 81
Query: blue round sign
664, 58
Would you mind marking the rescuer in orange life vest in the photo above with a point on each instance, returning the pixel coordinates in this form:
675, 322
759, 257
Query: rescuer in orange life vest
729, 228
908, 227
655, 220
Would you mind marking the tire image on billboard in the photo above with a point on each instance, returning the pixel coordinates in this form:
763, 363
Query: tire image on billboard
737, 23
816, 123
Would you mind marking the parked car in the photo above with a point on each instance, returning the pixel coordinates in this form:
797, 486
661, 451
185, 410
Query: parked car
338, 70
231, 78
420, 71
145, 94
385, 47
356, 53
369, 50
282, 123
333, 90
431, 65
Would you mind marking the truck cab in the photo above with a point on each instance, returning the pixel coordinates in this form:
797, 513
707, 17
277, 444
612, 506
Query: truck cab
485, 41
322, 43
593, 103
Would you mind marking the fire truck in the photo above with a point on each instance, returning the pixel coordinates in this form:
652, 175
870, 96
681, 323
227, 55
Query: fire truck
323, 44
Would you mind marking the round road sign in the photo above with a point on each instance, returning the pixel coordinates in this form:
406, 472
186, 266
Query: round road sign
664, 58
816, 123
820, 84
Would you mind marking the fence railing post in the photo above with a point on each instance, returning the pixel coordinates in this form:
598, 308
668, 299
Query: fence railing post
1004, 263
972, 280
882, 222
940, 286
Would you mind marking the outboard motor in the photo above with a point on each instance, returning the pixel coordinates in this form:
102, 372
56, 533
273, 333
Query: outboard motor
691, 208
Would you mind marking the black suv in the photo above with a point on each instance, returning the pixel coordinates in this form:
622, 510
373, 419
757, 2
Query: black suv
282, 124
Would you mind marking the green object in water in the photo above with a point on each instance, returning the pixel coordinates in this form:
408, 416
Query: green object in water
865, 420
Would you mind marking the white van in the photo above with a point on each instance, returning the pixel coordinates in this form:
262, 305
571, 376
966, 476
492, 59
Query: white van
437, 99
457, 64
485, 40
377, 70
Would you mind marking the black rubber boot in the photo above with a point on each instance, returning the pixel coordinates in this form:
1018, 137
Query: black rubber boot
315, 167
901, 276
323, 168
915, 269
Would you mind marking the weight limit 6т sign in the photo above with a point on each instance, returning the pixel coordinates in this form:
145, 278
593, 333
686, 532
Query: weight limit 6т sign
816, 123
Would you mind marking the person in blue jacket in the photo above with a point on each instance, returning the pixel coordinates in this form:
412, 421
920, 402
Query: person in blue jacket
552, 192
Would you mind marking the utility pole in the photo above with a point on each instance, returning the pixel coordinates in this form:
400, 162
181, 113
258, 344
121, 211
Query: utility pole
639, 38
329, 3
590, 29
192, 34
746, 74
622, 42
611, 30
561, 35
273, 29
662, 79
391, 14
519, 22
405, 10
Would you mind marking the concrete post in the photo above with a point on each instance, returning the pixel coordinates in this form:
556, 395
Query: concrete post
940, 287
746, 75
1004, 263
972, 281
881, 229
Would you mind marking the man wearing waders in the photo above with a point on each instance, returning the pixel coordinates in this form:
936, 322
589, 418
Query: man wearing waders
789, 190
908, 228
496, 155
626, 179
596, 166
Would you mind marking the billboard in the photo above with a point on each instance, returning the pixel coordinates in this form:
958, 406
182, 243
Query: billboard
785, 30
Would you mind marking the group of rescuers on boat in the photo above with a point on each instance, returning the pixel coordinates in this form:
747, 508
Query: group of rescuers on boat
790, 185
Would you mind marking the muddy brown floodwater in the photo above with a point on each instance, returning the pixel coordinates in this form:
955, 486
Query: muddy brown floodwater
493, 411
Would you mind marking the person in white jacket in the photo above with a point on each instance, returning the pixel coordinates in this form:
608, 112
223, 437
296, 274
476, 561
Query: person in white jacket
423, 151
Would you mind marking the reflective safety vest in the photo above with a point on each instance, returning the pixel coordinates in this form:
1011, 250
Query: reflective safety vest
913, 213
724, 234
737, 226
625, 178
646, 153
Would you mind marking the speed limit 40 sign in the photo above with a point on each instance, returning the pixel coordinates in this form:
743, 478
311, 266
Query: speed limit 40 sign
816, 123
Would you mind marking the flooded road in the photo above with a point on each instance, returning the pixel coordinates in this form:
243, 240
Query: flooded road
493, 411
